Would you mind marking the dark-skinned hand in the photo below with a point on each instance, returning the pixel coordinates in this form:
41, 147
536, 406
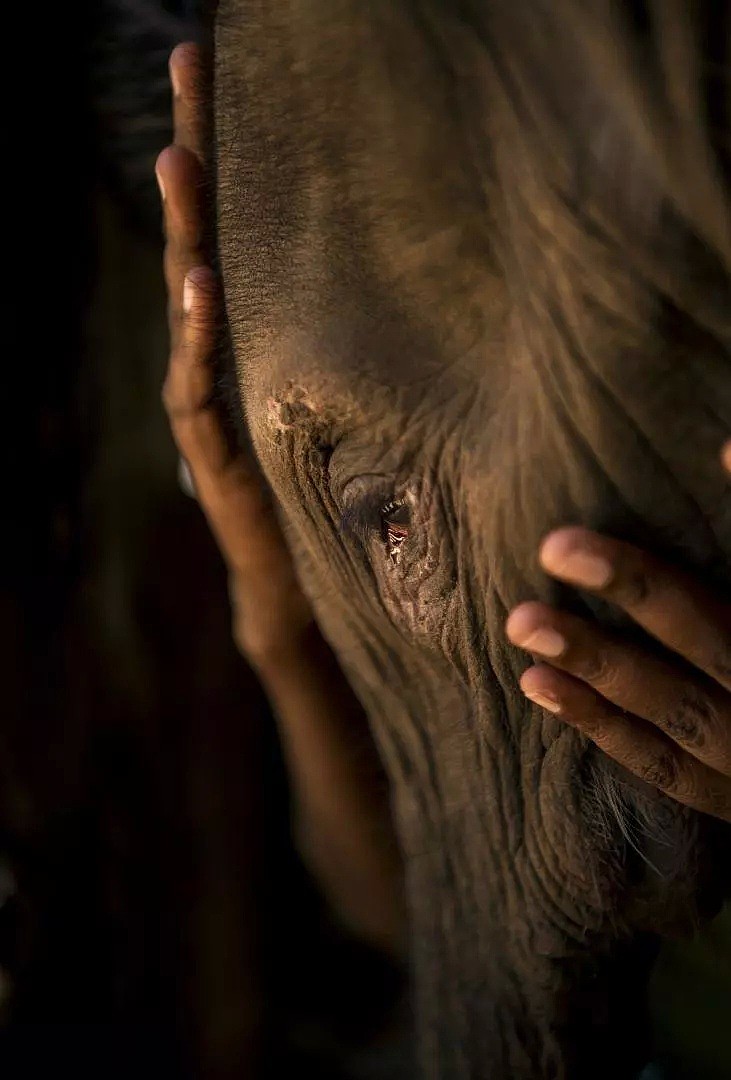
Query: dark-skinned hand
669, 727
343, 824
668, 722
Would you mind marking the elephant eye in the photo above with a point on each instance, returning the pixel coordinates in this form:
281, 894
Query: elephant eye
372, 513
395, 527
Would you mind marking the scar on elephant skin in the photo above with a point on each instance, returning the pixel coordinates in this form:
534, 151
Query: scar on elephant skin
291, 409
294, 407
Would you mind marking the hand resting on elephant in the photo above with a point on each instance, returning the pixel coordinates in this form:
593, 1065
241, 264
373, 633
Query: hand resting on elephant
406, 427
668, 724
342, 818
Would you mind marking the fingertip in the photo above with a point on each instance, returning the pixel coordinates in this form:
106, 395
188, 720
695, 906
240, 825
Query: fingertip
178, 164
523, 619
185, 54
163, 162
538, 683
559, 543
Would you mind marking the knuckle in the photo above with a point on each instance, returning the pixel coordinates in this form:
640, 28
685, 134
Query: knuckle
632, 586
189, 402
690, 719
199, 321
183, 235
177, 406
662, 771
595, 667
189, 236
171, 259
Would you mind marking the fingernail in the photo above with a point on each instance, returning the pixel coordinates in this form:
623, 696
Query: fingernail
160, 185
572, 564
521, 630
174, 81
188, 294
544, 700
545, 641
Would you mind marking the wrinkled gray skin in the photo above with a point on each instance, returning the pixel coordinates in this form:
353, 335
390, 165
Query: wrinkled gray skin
439, 247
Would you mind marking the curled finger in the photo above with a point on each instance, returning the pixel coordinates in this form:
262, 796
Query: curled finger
690, 709
180, 178
188, 386
638, 746
663, 599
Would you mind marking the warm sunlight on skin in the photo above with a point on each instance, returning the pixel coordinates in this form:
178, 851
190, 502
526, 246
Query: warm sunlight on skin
418, 487
342, 825
679, 737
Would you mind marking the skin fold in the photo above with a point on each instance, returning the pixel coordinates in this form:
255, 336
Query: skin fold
550, 701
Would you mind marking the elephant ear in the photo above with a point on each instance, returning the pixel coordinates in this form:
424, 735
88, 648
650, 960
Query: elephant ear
607, 155
608, 137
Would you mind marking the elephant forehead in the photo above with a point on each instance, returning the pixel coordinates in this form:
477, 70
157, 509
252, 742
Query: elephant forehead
291, 373
340, 373
313, 403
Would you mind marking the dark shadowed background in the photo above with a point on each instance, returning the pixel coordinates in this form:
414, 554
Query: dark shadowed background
154, 919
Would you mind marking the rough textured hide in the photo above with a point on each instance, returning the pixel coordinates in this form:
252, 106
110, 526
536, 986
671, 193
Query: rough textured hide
491, 245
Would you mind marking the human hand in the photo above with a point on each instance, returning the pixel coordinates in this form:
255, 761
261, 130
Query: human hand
343, 822
270, 611
668, 722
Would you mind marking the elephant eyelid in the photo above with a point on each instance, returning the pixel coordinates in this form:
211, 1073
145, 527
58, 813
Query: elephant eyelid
395, 521
369, 515
361, 518
395, 533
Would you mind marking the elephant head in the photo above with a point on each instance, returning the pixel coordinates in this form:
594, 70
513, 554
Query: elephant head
476, 266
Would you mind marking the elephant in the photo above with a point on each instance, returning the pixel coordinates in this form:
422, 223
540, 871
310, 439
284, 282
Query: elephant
475, 260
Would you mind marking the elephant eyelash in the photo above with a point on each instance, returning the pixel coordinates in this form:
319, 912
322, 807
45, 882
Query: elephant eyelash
395, 527
371, 516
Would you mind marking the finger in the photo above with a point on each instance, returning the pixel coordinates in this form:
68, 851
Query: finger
180, 178
667, 602
189, 86
228, 485
695, 713
188, 388
637, 746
